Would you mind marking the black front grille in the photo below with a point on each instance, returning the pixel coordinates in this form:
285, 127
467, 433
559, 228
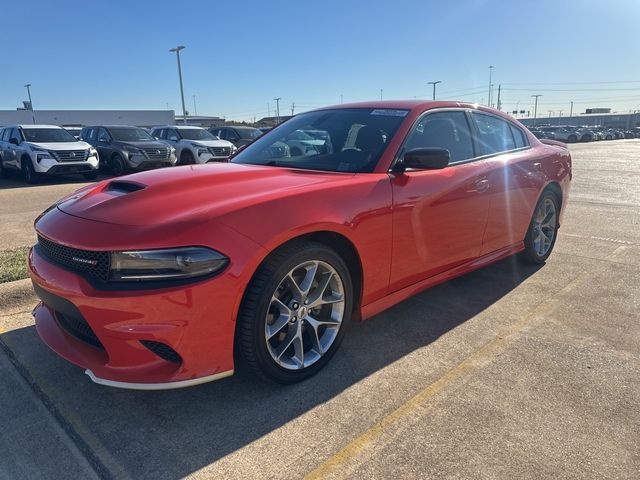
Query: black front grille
220, 151
95, 264
79, 328
159, 153
163, 351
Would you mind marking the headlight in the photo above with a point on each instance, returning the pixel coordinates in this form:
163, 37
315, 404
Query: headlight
93, 152
172, 150
233, 148
166, 264
134, 151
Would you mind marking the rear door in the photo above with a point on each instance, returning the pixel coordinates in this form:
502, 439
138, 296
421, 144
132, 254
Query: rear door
514, 179
439, 215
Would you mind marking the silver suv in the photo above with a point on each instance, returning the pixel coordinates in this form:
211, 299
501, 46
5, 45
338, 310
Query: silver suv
37, 150
194, 144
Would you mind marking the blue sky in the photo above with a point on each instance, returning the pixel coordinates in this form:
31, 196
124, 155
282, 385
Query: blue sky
240, 55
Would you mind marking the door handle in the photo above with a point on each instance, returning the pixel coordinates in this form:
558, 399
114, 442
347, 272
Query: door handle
482, 185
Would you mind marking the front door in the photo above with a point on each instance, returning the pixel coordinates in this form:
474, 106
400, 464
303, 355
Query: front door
439, 216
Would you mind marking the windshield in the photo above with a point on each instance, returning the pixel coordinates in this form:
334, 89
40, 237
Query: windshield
47, 135
249, 132
130, 134
341, 140
196, 134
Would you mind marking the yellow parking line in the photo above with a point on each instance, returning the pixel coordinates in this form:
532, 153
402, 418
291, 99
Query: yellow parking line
359, 444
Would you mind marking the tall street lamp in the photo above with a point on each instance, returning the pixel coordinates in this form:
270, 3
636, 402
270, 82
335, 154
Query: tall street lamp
535, 109
33, 115
491, 67
277, 99
184, 110
434, 87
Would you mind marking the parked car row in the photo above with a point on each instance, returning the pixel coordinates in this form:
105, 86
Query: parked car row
573, 134
45, 150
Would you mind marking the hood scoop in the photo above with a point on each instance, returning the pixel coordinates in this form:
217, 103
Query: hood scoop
123, 187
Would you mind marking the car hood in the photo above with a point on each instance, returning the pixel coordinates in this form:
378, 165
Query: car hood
60, 145
143, 144
190, 193
211, 143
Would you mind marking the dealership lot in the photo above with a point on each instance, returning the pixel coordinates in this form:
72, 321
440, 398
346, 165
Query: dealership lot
511, 371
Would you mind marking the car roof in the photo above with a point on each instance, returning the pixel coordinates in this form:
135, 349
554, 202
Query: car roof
110, 126
179, 127
28, 126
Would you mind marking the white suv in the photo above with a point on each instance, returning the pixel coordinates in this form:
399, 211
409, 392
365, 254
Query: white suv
194, 144
37, 150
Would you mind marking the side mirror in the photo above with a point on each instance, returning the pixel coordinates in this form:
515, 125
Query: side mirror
14, 141
424, 159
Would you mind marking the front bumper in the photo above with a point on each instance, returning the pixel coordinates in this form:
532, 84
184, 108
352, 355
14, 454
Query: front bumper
53, 167
103, 331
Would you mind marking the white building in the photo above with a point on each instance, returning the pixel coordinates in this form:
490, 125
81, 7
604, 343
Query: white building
140, 118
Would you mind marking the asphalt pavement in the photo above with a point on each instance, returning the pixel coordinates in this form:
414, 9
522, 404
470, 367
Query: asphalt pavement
511, 371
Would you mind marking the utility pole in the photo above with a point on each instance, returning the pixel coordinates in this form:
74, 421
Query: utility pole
33, 115
535, 109
571, 111
380, 94
184, 110
498, 102
434, 87
491, 67
195, 109
559, 116
277, 109
268, 109
293, 106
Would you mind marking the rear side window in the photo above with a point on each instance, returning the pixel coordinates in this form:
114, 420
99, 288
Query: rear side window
448, 130
494, 134
5, 134
518, 137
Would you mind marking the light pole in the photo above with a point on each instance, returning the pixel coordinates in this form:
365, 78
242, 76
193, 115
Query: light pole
535, 108
559, 116
491, 67
277, 110
33, 115
184, 110
571, 111
434, 87
380, 94
195, 109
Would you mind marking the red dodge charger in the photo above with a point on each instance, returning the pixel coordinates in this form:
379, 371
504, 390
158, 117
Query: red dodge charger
164, 279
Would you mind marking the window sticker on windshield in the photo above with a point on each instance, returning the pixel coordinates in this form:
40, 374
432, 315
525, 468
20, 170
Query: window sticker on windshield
390, 113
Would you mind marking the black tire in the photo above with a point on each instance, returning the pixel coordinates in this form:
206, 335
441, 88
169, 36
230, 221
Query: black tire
90, 175
3, 171
118, 167
187, 158
28, 172
572, 139
531, 253
586, 138
251, 343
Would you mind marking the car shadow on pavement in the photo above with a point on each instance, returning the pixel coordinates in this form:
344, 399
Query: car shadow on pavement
15, 181
169, 434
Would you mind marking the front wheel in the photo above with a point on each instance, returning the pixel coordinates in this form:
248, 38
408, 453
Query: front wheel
543, 229
28, 172
294, 312
118, 166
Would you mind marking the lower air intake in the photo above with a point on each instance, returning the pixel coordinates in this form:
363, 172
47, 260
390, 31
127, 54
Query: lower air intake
162, 350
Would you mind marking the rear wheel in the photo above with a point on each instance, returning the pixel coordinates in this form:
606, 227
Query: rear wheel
572, 139
118, 166
543, 229
294, 313
28, 172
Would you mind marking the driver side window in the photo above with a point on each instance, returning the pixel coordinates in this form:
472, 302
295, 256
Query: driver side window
449, 130
103, 136
172, 135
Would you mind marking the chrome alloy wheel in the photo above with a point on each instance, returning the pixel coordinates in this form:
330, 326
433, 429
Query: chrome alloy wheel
305, 315
544, 227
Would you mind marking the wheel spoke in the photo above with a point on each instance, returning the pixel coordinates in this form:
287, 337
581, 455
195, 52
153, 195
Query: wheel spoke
316, 298
292, 334
307, 281
298, 347
277, 326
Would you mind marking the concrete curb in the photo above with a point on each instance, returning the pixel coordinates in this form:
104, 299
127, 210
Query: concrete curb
16, 296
